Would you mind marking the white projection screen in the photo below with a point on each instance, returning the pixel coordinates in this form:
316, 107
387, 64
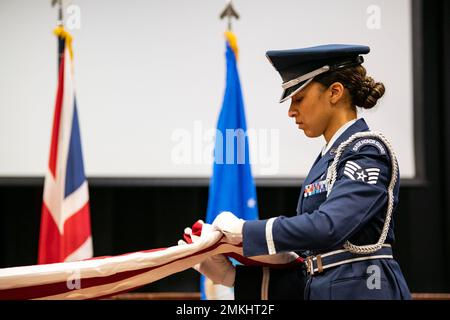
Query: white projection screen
150, 78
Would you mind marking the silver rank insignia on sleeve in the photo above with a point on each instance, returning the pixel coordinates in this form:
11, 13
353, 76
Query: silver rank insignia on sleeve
355, 172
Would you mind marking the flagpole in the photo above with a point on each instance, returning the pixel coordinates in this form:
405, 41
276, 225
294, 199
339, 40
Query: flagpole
224, 194
59, 24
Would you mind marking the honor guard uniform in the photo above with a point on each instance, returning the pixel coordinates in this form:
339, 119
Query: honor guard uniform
345, 212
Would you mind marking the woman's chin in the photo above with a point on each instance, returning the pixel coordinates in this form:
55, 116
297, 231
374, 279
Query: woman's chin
310, 134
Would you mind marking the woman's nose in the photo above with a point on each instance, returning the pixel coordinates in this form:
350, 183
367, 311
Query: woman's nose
292, 113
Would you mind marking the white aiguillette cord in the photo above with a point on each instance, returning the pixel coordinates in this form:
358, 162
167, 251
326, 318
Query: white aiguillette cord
331, 179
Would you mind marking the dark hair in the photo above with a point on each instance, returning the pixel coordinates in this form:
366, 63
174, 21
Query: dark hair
364, 90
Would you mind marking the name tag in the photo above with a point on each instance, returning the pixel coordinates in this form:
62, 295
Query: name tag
315, 188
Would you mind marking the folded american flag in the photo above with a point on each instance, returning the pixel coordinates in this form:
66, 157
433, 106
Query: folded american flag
106, 276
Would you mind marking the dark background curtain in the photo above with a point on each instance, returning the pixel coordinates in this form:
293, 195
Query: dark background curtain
128, 217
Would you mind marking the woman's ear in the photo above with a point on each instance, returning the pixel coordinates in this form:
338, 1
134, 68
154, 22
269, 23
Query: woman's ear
336, 92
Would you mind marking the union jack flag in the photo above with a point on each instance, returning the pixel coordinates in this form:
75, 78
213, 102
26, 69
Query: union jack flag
65, 233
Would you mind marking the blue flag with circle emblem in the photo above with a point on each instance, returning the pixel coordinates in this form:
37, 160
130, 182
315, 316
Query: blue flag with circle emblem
231, 186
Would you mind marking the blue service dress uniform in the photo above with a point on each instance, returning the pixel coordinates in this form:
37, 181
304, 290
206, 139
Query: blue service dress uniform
354, 210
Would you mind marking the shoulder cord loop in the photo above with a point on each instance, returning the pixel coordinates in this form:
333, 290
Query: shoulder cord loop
331, 179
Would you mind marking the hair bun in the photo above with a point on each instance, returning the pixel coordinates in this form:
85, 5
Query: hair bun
369, 93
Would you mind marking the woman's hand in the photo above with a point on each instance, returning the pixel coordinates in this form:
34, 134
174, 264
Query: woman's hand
217, 268
230, 225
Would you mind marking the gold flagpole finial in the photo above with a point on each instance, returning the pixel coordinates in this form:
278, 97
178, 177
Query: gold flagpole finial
59, 31
229, 12
60, 21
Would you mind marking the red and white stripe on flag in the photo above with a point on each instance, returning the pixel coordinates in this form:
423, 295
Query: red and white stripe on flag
106, 276
65, 233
